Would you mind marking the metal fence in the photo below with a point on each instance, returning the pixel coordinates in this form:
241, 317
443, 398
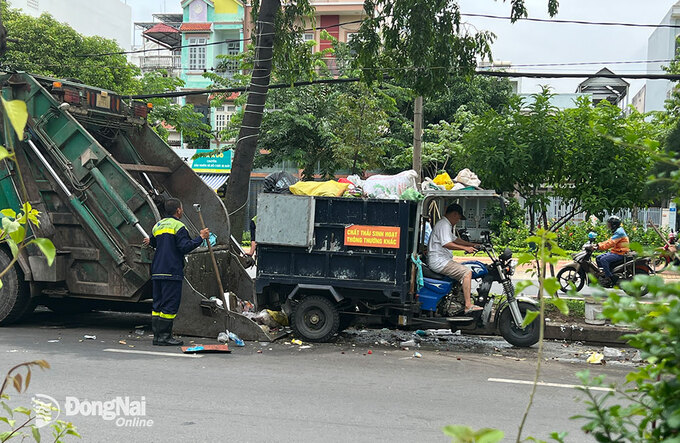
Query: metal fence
557, 209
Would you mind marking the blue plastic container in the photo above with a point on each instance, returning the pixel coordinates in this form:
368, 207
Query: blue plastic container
432, 291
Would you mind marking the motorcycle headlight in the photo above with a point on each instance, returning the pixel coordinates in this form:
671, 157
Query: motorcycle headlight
510, 269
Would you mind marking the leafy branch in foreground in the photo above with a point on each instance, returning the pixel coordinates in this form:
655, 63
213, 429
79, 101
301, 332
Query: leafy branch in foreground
18, 427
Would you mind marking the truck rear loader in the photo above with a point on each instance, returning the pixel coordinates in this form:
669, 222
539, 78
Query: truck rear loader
98, 174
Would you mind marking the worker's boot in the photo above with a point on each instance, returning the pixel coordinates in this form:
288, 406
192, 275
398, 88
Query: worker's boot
165, 337
154, 328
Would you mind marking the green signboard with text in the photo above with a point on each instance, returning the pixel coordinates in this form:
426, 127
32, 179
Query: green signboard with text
213, 164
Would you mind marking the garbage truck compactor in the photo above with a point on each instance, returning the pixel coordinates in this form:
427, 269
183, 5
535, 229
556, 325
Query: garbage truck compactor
99, 174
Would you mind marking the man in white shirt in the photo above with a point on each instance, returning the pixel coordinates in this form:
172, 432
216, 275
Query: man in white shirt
442, 241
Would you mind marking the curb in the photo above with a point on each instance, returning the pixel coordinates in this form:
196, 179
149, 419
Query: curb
605, 334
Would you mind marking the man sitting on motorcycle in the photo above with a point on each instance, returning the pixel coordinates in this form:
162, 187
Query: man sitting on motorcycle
439, 258
618, 243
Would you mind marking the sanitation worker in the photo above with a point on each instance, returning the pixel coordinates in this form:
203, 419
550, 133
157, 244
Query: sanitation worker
171, 240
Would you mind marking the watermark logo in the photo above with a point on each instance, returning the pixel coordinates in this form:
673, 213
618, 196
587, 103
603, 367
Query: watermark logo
46, 409
123, 411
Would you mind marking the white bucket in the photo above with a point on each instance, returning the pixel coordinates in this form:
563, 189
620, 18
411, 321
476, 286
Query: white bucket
593, 309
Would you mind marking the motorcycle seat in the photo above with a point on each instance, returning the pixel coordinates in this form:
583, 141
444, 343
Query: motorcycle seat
429, 273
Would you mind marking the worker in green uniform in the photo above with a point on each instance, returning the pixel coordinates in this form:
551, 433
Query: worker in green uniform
172, 241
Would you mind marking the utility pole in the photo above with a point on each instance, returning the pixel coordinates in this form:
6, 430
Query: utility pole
418, 137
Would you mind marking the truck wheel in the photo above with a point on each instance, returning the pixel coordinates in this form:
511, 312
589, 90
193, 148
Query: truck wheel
15, 296
512, 333
315, 318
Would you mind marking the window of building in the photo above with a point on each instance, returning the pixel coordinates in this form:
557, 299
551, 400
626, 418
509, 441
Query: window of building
231, 66
35, 4
197, 53
308, 37
223, 116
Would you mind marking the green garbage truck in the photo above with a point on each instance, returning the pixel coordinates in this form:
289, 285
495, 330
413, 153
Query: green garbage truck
98, 174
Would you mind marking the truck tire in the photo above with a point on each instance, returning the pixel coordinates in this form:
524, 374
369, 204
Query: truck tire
522, 338
315, 318
15, 296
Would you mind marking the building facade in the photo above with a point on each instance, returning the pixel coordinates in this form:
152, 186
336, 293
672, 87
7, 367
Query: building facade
111, 19
661, 45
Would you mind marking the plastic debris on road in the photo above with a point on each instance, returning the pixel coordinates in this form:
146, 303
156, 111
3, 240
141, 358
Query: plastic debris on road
417, 355
295, 341
612, 352
407, 343
90, 337
595, 358
421, 333
222, 337
235, 339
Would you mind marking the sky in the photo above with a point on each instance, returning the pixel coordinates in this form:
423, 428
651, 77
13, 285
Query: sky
530, 42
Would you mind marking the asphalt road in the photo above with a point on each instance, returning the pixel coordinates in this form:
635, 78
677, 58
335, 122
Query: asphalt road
327, 392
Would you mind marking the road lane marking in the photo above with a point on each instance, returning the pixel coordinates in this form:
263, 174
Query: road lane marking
163, 354
541, 383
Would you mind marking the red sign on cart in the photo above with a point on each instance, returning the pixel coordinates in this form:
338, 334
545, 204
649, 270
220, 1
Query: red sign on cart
372, 236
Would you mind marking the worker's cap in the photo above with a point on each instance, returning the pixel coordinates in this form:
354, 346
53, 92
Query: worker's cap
455, 207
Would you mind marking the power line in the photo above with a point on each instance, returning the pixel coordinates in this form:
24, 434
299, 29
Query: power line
574, 22
504, 74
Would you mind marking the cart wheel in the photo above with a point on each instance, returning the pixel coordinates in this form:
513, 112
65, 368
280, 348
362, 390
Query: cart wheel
315, 318
15, 296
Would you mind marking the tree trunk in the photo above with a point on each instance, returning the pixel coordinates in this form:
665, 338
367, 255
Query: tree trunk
238, 185
418, 138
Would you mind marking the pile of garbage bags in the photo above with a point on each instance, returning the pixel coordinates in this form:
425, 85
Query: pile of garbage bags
402, 186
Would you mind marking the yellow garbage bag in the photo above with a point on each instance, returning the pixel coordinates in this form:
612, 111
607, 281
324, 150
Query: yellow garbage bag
279, 317
329, 188
444, 179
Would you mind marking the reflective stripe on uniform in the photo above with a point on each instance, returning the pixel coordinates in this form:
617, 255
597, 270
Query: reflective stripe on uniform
168, 225
168, 316
155, 314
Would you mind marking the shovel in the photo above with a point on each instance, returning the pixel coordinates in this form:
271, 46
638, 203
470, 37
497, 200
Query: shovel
197, 207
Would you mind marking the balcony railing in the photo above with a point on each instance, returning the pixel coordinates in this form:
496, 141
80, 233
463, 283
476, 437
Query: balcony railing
161, 62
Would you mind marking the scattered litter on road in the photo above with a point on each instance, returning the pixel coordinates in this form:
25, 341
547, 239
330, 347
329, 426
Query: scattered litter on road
595, 358
420, 333
295, 341
222, 337
139, 331
417, 355
407, 343
206, 349
369, 352
259, 351
305, 347
637, 358
612, 352
122, 342
90, 337
235, 339
52, 341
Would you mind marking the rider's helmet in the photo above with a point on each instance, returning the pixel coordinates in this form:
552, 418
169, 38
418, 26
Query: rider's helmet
614, 222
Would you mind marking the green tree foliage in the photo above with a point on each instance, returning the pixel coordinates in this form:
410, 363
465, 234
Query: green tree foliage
327, 128
182, 117
48, 47
596, 159
477, 93
518, 150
